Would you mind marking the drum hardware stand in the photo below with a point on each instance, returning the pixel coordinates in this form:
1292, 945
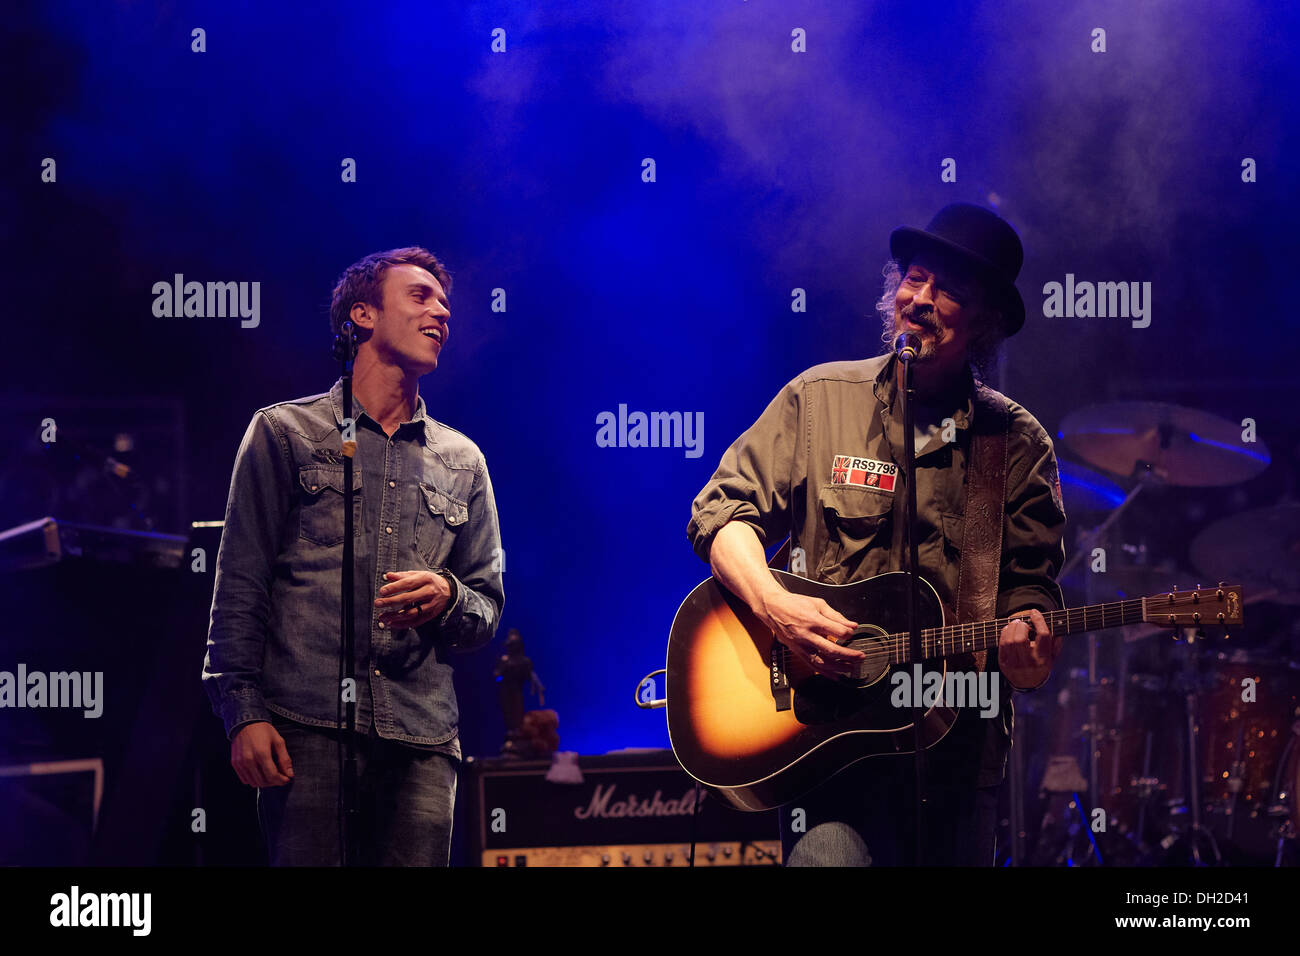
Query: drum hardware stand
1088, 539
1094, 730
1190, 681
1061, 777
1072, 830
1086, 826
1121, 699
1283, 796
1145, 786
1016, 775
1236, 778
1285, 833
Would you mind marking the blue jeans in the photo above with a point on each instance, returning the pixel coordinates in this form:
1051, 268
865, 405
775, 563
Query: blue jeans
406, 802
864, 817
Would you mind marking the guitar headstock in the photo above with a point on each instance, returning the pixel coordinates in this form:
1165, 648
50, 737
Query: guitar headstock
1217, 605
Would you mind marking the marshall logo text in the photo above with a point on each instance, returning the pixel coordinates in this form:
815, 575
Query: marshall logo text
604, 806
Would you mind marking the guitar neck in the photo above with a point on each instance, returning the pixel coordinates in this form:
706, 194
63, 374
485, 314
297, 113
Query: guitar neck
982, 635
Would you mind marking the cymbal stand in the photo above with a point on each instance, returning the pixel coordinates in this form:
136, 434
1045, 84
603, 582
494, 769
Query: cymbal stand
1283, 795
1088, 539
1191, 687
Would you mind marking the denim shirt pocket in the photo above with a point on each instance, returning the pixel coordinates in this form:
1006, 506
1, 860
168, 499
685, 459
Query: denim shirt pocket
439, 518
321, 509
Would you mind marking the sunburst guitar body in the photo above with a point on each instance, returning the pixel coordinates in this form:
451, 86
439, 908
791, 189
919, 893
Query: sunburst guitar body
752, 722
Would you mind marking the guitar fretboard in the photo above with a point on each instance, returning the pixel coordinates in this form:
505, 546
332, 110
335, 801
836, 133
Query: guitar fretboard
979, 636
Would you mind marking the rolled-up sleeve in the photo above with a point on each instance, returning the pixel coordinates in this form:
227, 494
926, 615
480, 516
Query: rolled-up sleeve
476, 565
1033, 548
258, 506
753, 482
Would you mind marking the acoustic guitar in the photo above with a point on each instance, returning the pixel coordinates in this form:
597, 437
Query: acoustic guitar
754, 723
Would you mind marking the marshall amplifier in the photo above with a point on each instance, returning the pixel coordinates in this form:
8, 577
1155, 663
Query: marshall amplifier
625, 809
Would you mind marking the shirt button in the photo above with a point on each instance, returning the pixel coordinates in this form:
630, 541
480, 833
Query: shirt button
377, 672
389, 530
392, 484
381, 625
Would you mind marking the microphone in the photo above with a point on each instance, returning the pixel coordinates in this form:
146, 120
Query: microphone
907, 346
345, 343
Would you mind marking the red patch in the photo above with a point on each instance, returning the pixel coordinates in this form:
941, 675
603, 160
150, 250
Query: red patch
864, 472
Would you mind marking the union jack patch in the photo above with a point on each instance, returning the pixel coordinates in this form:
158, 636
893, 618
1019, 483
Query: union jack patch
864, 472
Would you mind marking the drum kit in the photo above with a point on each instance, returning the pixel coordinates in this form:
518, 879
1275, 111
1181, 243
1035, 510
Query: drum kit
1171, 752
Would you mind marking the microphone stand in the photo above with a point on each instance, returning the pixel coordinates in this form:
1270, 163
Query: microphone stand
907, 355
345, 347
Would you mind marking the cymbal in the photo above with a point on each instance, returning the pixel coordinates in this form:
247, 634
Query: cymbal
1183, 446
1260, 548
1086, 490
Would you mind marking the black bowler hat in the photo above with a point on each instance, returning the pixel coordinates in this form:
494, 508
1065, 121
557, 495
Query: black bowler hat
981, 239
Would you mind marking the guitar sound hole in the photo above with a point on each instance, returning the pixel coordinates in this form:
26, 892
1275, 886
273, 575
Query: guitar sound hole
876, 663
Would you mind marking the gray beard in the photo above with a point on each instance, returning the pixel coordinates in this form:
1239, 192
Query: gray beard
934, 330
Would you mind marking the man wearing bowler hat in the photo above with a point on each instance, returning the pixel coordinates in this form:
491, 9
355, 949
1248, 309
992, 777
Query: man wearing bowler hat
810, 468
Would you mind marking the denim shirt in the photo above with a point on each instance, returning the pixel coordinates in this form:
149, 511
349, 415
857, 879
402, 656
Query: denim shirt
423, 500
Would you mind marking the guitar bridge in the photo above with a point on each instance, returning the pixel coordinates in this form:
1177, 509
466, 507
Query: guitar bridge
777, 679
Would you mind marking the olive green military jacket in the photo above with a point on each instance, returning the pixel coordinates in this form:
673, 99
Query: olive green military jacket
821, 465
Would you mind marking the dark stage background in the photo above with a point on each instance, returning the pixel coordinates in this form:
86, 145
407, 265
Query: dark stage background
774, 170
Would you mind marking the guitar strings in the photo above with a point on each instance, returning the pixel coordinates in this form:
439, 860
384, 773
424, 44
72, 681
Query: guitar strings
935, 638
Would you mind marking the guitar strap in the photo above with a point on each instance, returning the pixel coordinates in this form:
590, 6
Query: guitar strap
980, 566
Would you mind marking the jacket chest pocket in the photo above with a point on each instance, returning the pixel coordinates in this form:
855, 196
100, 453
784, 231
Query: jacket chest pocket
321, 511
857, 524
438, 518
952, 532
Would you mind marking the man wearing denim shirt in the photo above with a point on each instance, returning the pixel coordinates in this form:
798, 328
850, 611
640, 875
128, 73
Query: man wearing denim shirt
427, 582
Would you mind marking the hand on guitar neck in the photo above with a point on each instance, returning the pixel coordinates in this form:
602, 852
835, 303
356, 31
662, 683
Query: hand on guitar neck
810, 627
1027, 663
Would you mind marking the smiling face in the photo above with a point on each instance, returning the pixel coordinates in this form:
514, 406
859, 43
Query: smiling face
942, 303
411, 329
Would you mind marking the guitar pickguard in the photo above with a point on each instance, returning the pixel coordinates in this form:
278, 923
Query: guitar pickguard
823, 700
